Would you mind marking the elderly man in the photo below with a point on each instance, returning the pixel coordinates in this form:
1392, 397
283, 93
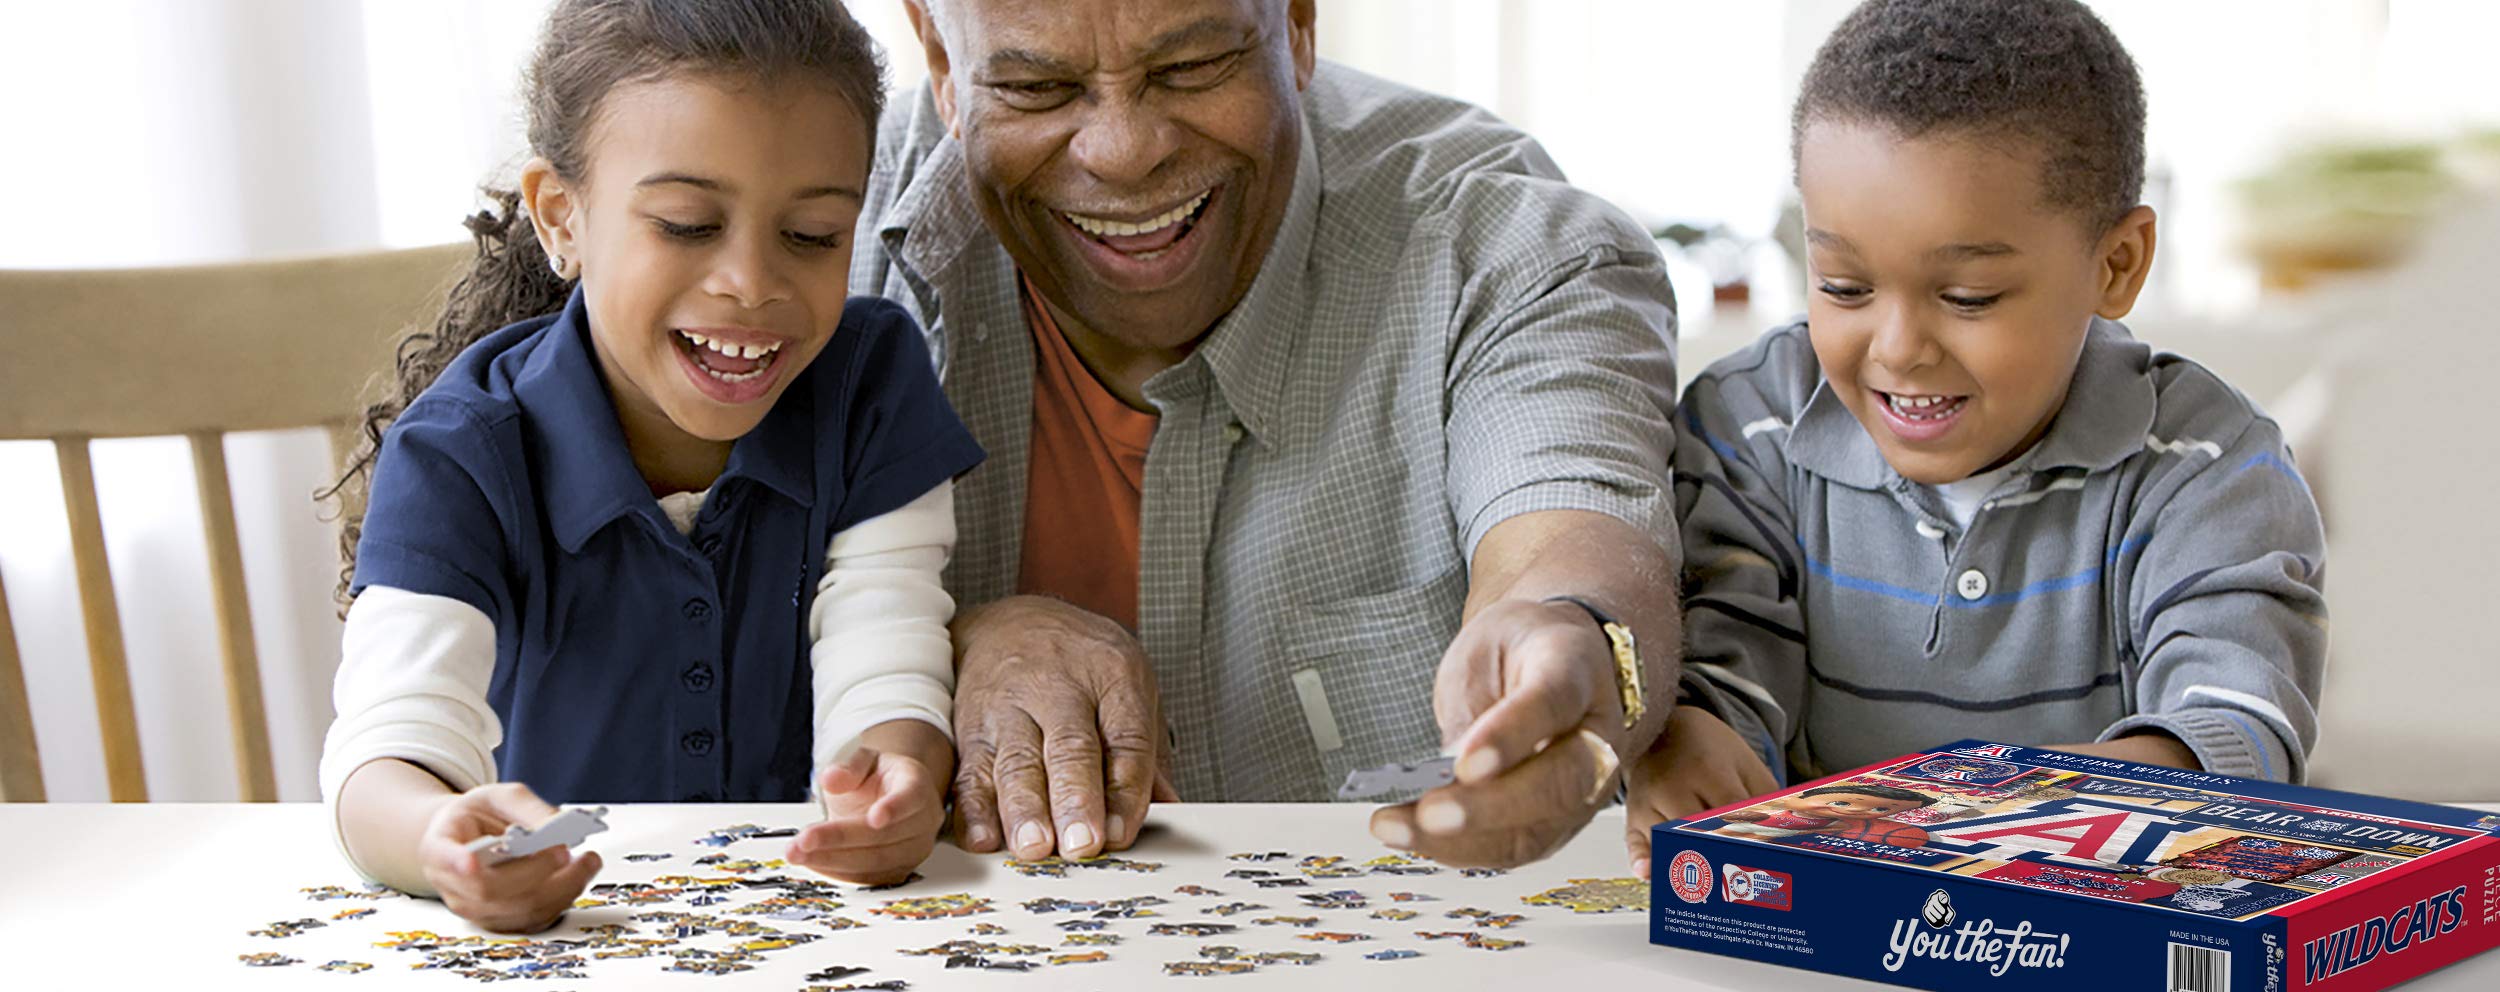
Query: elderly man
1327, 428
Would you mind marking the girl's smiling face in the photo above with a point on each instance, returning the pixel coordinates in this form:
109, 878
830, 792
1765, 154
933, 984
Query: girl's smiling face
1948, 298
712, 233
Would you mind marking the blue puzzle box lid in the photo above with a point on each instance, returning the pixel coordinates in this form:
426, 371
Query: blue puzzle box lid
2214, 846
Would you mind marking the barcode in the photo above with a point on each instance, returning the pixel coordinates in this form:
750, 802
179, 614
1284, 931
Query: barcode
2199, 969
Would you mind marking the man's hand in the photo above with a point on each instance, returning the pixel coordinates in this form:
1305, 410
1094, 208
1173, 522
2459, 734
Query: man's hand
884, 801
1698, 763
524, 895
1057, 723
1526, 698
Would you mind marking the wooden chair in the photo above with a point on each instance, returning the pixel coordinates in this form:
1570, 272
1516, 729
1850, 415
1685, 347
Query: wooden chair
194, 351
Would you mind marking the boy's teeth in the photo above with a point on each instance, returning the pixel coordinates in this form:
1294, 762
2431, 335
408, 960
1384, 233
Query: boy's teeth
1920, 407
1115, 229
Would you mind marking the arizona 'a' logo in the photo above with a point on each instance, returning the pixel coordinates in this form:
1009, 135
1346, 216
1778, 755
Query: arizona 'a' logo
2076, 830
1987, 751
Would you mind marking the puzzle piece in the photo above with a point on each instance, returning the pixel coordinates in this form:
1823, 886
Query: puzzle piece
288, 928
1191, 929
1286, 957
987, 964
568, 827
1056, 867
935, 907
1338, 899
1399, 776
1596, 895
1202, 969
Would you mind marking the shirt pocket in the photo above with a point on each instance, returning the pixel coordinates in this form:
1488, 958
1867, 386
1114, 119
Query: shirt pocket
1360, 672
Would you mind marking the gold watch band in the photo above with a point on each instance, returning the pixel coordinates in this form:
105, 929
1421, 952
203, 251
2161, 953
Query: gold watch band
1628, 676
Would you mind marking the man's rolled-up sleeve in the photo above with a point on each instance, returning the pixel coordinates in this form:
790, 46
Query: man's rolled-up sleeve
1564, 399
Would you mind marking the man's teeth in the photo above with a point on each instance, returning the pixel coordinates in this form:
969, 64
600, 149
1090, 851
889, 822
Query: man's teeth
1101, 228
1922, 407
728, 350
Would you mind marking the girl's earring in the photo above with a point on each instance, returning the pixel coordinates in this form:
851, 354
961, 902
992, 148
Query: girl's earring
555, 263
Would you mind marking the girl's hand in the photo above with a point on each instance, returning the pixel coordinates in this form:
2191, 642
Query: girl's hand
524, 895
882, 814
1698, 763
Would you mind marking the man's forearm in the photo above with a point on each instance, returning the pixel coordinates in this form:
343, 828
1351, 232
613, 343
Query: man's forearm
1612, 564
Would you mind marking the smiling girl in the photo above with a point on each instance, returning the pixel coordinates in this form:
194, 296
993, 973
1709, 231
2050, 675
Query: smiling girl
658, 513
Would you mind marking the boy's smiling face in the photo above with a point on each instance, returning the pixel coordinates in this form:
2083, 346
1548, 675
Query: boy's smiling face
1948, 298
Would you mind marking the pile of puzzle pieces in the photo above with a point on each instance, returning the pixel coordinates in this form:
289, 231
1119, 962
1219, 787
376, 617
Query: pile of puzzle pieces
744, 912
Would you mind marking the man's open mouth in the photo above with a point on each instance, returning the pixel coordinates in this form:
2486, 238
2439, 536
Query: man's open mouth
1144, 239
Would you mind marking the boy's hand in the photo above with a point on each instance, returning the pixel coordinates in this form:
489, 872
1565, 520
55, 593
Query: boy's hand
524, 895
883, 810
1698, 763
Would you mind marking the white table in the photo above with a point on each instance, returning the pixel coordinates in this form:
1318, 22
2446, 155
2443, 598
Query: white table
160, 896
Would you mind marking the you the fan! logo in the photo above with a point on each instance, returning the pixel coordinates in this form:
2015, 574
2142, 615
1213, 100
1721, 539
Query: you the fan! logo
1931, 934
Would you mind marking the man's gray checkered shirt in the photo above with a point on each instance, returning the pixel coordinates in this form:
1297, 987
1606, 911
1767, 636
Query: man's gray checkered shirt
1444, 335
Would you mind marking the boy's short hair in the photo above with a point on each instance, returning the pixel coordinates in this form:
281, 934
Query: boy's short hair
1877, 791
2046, 71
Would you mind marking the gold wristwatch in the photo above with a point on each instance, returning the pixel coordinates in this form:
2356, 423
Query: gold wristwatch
1628, 676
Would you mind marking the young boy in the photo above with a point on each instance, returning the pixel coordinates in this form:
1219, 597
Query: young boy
1960, 500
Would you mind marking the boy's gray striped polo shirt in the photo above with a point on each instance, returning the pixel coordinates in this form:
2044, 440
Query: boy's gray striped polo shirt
2156, 563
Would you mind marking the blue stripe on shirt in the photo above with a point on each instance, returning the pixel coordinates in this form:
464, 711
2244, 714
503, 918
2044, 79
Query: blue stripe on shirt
2273, 461
2075, 581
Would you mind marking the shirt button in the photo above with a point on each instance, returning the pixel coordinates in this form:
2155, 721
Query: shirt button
1971, 585
709, 545
697, 743
698, 677
1233, 433
697, 609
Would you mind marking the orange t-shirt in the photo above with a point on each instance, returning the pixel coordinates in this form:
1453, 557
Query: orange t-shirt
1085, 482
